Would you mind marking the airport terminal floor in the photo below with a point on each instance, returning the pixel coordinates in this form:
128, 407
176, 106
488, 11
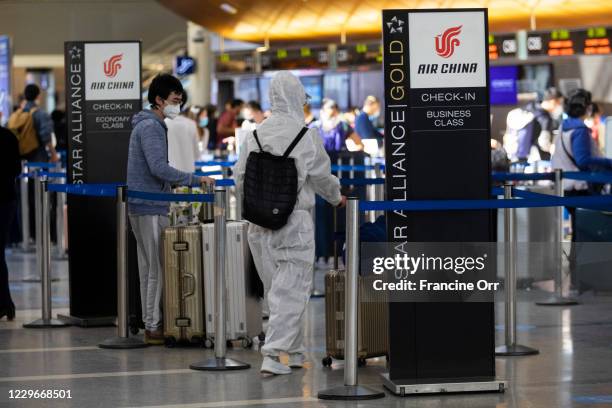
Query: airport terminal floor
572, 369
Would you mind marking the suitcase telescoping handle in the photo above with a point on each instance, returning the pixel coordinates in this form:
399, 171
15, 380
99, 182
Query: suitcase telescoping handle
335, 221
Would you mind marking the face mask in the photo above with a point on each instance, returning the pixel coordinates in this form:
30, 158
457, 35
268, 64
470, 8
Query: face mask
557, 112
171, 111
204, 122
373, 118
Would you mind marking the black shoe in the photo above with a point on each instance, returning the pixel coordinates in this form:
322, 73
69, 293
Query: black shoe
10, 315
9, 312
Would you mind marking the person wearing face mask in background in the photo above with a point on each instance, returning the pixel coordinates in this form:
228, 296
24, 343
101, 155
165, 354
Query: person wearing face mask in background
148, 170
364, 122
183, 149
530, 129
253, 115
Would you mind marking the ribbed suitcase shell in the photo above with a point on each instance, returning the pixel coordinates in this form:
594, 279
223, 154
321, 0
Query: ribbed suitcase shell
183, 293
373, 315
243, 307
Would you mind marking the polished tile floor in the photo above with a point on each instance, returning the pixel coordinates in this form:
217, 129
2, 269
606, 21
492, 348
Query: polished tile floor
574, 368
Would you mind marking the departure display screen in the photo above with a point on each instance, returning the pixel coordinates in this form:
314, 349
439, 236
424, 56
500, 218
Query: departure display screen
556, 43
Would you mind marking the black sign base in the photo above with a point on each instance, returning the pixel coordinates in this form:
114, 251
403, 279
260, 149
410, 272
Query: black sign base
122, 343
410, 387
219, 364
350, 393
102, 321
558, 301
515, 350
46, 324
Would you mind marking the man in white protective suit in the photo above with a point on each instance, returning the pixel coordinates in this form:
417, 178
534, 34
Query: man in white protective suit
284, 258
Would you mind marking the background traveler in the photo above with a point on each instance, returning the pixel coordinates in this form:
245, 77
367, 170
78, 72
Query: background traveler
10, 165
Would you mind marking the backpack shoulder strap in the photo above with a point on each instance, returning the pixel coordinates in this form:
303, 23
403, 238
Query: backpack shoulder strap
567, 151
257, 140
295, 142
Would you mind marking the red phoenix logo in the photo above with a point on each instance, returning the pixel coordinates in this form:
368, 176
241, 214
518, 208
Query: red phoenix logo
112, 65
447, 41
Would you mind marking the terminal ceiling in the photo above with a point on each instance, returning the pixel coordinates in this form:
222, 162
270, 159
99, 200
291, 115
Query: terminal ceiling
283, 21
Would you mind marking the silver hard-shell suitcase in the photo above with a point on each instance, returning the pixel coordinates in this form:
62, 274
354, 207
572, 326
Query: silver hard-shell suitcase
243, 306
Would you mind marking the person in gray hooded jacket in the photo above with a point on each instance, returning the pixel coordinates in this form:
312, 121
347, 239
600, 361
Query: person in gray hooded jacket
149, 171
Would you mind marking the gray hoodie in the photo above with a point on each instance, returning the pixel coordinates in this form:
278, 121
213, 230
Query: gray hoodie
148, 168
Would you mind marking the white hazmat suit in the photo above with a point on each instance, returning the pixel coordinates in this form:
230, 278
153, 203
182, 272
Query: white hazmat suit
284, 258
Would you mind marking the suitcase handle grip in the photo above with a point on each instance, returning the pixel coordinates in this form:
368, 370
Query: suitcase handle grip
191, 291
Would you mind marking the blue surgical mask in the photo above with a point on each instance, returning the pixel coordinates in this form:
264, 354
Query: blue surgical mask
204, 122
373, 118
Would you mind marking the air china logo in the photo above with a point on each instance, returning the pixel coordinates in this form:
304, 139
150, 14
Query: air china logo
447, 41
112, 65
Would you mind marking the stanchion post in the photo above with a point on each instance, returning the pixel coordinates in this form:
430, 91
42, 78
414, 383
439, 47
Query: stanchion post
351, 390
352, 171
220, 362
122, 341
511, 348
43, 255
559, 298
25, 209
60, 199
379, 189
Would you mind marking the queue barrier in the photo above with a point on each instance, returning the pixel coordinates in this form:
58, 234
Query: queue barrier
208, 173
351, 388
121, 193
41, 165
211, 163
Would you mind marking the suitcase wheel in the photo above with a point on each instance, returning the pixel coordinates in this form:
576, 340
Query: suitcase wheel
262, 337
327, 361
361, 362
246, 342
209, 343
170, 342
134, 329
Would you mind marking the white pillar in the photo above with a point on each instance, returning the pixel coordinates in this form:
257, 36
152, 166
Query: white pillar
199, 48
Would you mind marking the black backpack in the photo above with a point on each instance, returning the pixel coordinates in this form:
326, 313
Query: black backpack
270, 186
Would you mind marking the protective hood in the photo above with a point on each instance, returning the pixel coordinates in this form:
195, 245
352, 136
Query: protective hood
287, 96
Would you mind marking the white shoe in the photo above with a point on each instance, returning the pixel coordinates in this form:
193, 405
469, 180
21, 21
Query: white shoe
296, 360
271, 365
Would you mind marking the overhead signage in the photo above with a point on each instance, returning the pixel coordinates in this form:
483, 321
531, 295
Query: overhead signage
502, 45
5, 78
103, 93
562, 42
184, 65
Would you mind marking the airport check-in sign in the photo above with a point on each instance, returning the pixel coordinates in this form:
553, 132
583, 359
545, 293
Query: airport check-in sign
436, 76
103, 93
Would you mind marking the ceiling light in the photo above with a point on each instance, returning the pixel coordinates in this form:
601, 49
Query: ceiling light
228, 8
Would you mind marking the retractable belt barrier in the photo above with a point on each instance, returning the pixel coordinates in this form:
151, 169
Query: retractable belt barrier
110, 190
220, 163
208, 173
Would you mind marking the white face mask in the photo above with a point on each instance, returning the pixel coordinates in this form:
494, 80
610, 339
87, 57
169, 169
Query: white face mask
171, 111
